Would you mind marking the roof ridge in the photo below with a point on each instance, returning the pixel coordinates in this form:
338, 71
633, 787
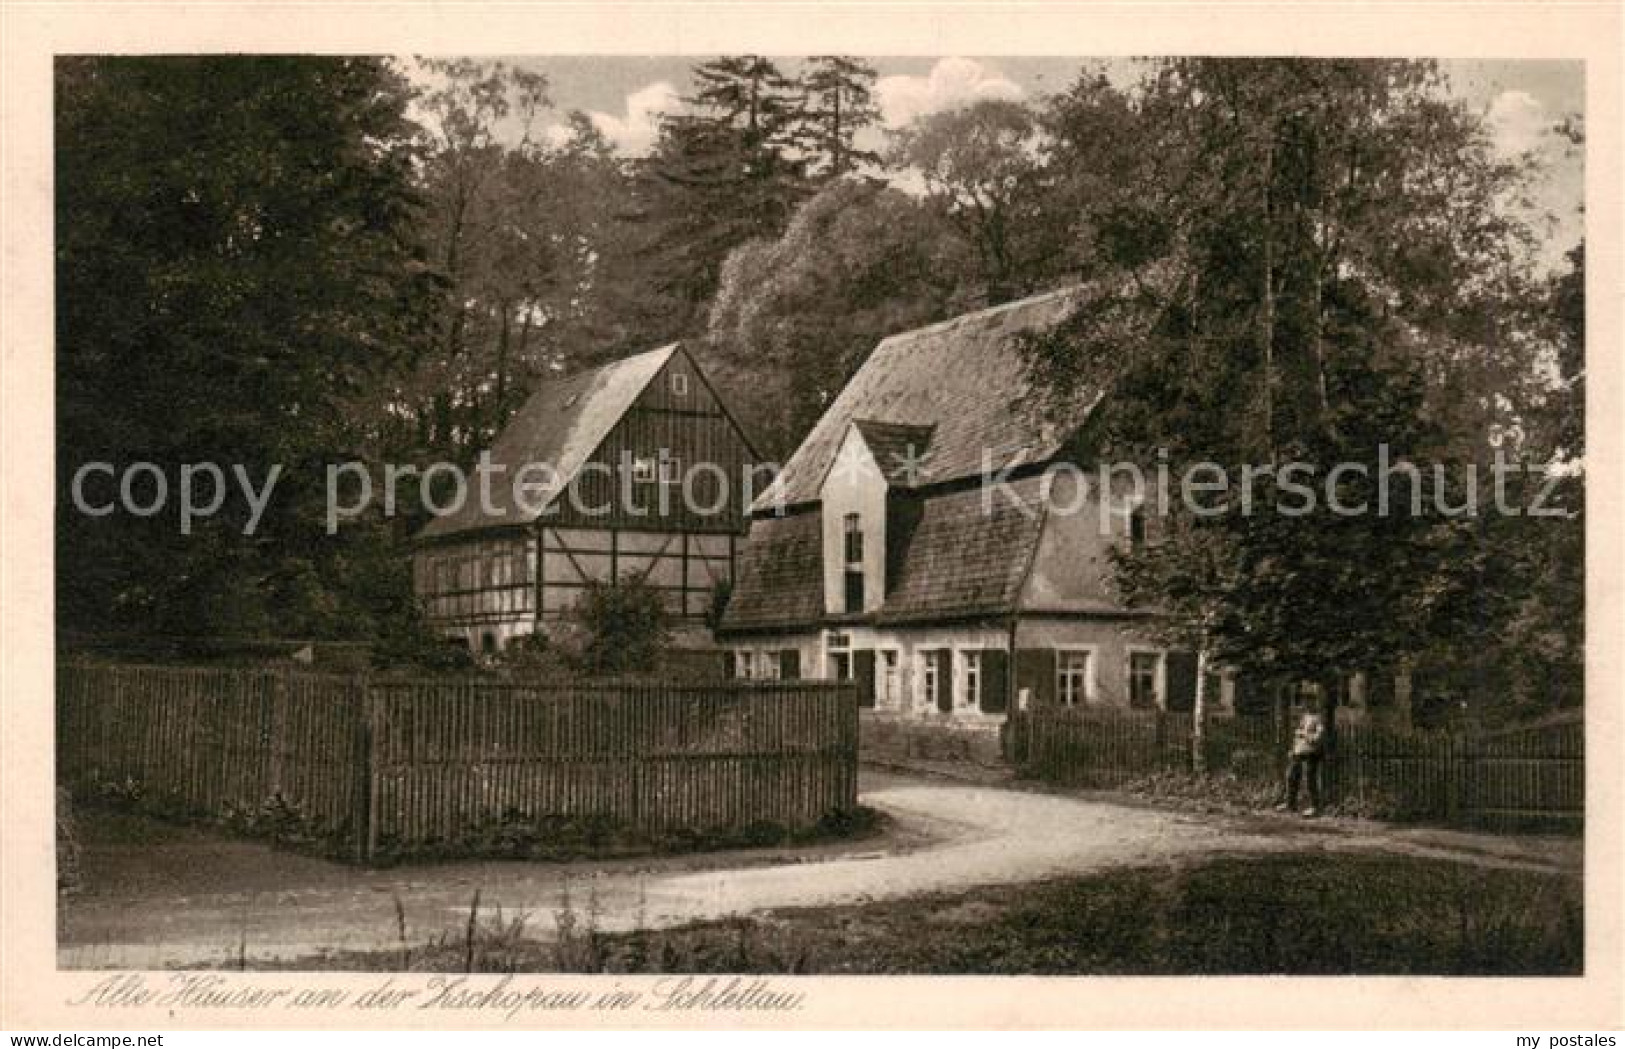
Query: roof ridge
966, 319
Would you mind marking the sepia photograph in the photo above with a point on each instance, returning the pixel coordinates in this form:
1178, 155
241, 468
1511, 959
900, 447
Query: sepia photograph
737, 515
695, 517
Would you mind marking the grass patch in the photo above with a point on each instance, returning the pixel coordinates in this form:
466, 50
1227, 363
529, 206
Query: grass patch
1301, 915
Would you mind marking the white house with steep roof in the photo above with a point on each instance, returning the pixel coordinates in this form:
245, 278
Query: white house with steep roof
882, 554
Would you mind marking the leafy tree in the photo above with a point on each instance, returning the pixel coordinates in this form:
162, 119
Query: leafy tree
237, 277
479, 189
1324, 267
616, 629
984, 175
796, 316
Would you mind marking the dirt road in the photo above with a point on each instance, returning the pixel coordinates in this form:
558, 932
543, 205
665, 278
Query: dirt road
161, 897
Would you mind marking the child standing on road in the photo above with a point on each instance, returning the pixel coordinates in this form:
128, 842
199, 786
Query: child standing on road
1308, 746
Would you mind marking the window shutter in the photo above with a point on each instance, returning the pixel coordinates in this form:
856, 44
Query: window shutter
863, 660
945, 679
1035, 672
1180, 680
729, 663
995, 681
790, 664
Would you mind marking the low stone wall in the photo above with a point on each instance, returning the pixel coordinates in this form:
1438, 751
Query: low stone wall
901, 738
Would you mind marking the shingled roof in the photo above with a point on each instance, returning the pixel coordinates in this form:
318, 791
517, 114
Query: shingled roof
967, 557
561, 425
964, 558
780, 577
964, 378
902, 452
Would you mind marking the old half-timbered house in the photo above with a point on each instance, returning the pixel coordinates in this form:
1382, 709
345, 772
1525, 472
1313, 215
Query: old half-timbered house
881, 554
639, 469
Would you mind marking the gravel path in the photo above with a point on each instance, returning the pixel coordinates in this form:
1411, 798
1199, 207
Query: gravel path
161, 897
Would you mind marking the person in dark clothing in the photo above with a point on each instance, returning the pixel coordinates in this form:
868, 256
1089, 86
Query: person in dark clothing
1303, 766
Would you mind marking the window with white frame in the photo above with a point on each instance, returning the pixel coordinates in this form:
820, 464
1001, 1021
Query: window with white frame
679, 384
1145, 679
970, 691
889, 683
643, 469
743, 664
926, 696
838, 652
767, 666
1072, 678
671, 469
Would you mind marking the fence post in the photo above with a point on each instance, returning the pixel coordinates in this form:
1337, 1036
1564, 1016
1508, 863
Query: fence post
366, 770
1459, 780
277, 730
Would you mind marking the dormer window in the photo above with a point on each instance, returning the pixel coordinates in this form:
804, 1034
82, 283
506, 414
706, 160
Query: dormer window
852, 575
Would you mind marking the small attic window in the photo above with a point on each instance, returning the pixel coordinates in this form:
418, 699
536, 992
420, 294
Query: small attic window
643, 470
679, 384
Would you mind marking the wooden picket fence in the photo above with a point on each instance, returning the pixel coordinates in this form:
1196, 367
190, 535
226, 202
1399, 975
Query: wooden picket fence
413, 762
1523, 775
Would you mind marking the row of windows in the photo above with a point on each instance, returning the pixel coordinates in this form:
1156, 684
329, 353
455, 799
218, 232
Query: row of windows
450, 606
451, 572
1075, 683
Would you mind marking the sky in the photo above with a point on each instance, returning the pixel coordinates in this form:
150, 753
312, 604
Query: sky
625, 95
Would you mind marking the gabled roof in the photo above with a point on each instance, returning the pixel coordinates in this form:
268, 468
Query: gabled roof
902, 452
561, 425
964, 378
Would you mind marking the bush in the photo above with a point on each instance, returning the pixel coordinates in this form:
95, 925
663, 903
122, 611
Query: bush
618, 628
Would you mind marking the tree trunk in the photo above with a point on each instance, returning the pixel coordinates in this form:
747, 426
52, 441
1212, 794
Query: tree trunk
500, 414
1266, 324
1329, 761
1199, 712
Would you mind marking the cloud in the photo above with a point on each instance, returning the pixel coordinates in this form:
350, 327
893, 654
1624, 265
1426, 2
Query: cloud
951, 84
634, 131
1517, 122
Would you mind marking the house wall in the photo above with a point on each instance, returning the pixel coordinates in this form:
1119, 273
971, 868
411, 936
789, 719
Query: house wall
687, 428
1072, 568
479, 588
854, 485
1109, 642
683, 567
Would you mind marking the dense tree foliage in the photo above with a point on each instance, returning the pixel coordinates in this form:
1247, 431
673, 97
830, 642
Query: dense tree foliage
796, 316
1335, 284
237, 276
